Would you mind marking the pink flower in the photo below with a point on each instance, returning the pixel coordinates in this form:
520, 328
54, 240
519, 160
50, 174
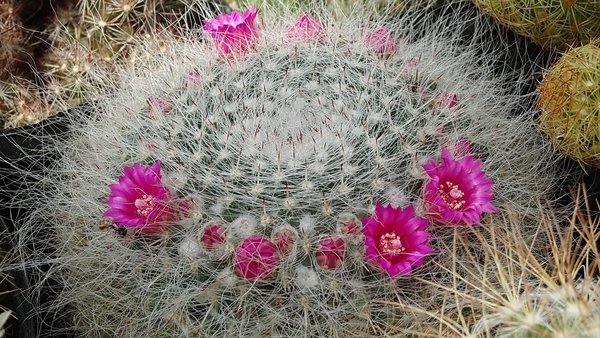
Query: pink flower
255, 258
395, 239
158, 105
458, 191
445, 101
233, 34
306, 28
284, 241
213, 236
382, 42
331, 252
140, 200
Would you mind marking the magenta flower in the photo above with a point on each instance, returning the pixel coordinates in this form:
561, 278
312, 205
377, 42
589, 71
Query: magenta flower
255, 258
395, 239
306, 28
140, 200
331, 252
233, 34
382, 42
212, 236
158, 105
458, 192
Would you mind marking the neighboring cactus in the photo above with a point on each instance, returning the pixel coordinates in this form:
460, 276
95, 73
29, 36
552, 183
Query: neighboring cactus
505, 289
98, 34
549, 23
570, 104
21, 104
245, 164
12, 37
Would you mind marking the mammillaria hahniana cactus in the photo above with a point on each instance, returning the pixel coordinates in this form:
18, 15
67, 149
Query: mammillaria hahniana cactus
272, 148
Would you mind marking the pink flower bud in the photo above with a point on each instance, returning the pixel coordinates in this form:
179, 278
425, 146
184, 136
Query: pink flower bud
382, 42
255, 258
213, 236
458, 148
284, 241
158, 105
193, 79
331, 252
186, 207
306, 28
349, 225
445, 101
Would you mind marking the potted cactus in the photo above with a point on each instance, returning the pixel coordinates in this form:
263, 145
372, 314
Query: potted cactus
287, 175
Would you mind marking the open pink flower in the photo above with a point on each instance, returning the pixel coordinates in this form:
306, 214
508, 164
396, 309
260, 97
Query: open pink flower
395, 239
331, 252
256, 258
458, 192
234, 33
140, 200
382, 42
306, 28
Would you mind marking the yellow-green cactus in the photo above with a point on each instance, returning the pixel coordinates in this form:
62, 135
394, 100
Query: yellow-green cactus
556, 24
570, 104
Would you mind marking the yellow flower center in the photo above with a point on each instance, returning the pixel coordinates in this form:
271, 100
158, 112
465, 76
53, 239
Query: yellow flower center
451, 195
390, 244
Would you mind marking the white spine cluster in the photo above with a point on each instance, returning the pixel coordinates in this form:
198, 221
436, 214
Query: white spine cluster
292, 133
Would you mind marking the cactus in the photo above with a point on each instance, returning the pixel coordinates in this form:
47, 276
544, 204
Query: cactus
12, 37
569, 104
252, 163
378, 8
98, 34
504, 289
549, 23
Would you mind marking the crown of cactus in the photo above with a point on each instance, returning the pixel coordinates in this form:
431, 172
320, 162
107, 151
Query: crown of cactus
255, 170
377, 8
569, 104
549, 23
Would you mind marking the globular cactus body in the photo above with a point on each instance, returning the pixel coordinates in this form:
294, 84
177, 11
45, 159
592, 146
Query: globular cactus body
288, 142
569, 104
549, 23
